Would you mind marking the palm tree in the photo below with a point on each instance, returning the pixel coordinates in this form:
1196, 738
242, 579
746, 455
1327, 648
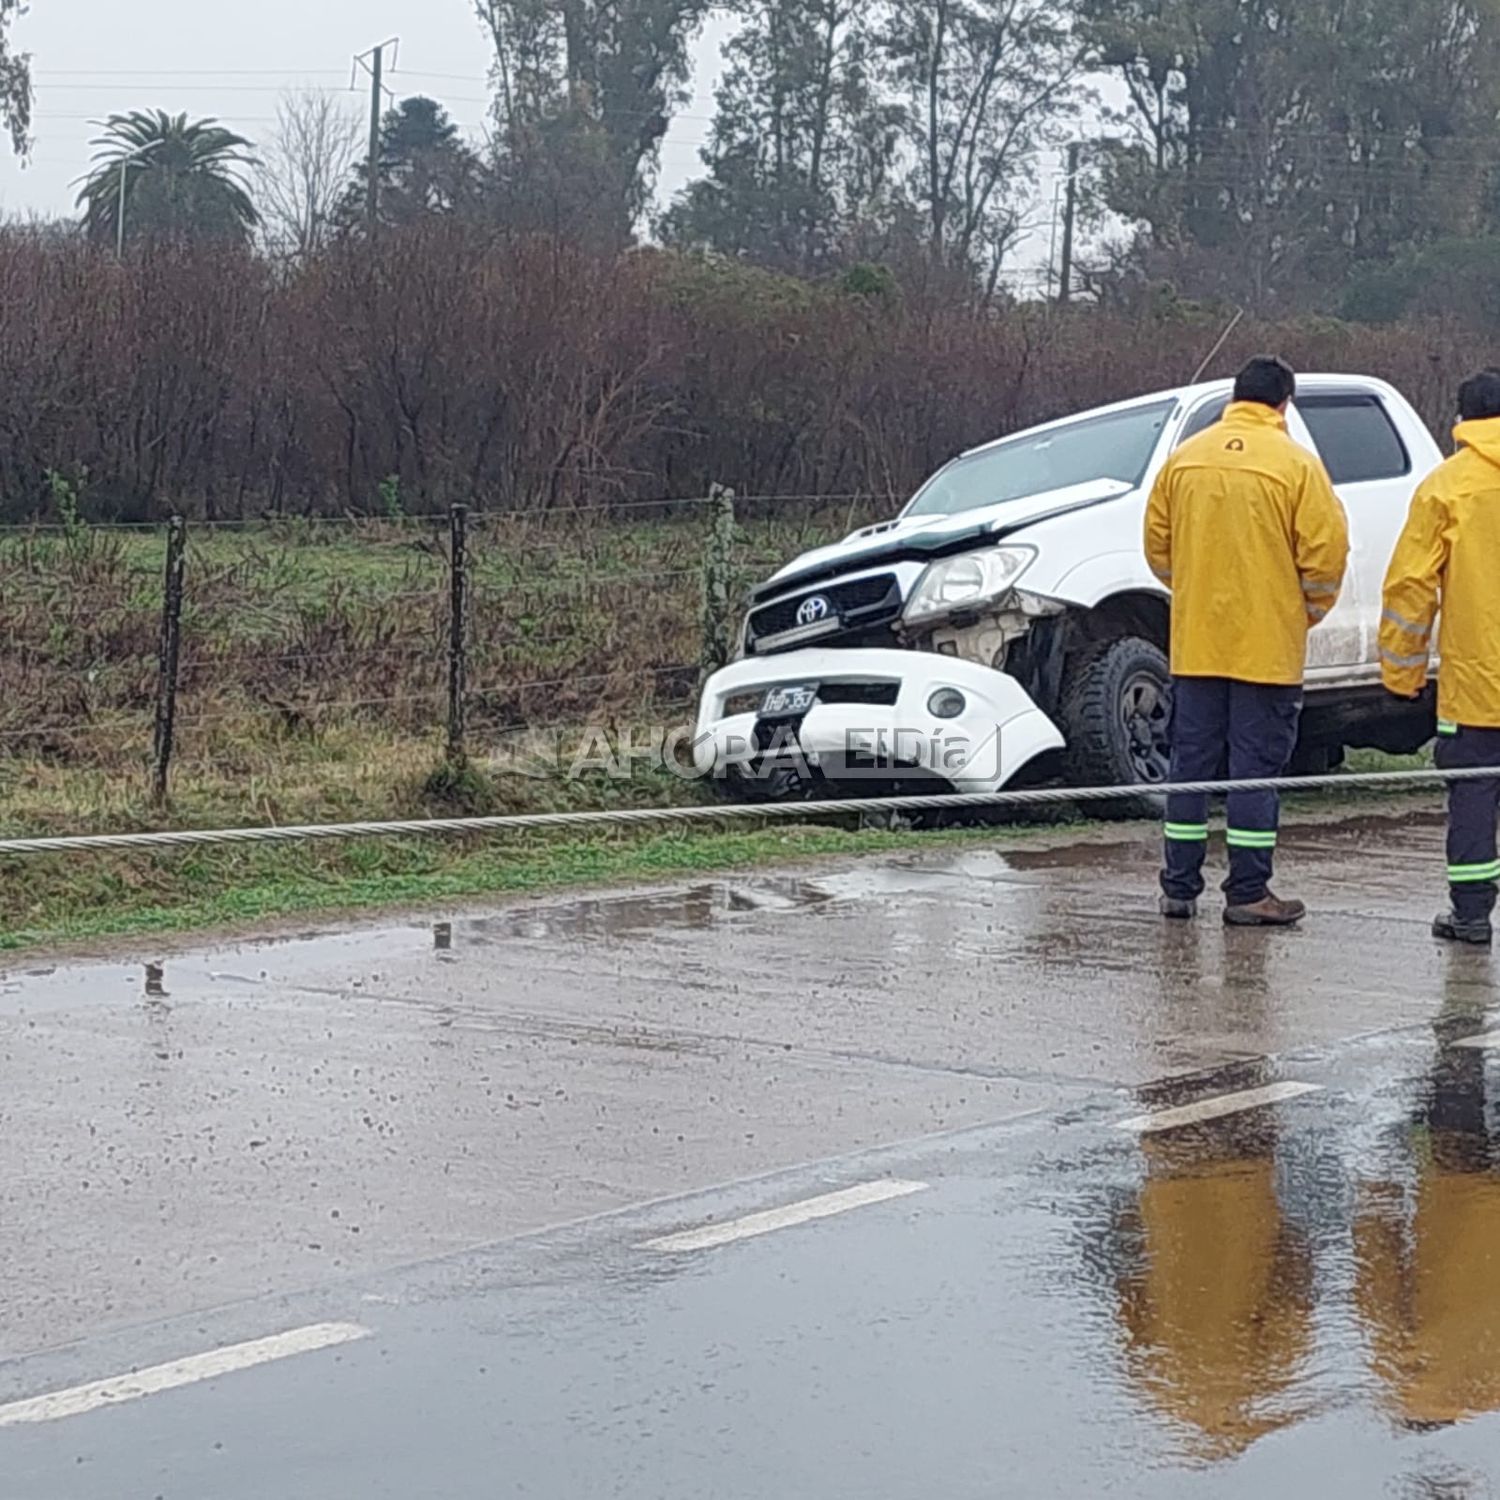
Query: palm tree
180, 179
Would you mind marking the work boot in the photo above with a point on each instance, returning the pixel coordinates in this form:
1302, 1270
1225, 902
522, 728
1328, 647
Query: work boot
1453, 928
1178, 909
1269, 911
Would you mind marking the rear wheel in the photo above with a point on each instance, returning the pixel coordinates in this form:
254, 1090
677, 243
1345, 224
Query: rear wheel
1116, 716
1315, 758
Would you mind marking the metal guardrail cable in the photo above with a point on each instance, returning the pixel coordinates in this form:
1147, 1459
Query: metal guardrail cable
723, 812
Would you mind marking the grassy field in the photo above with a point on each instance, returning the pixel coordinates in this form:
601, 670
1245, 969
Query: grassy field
290, 628
313, 689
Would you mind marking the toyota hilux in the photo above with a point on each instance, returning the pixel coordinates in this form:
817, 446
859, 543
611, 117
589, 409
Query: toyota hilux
1005, 622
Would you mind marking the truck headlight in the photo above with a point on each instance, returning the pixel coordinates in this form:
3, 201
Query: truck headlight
966, 579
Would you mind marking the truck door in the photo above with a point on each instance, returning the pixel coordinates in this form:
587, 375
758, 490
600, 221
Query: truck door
1367, 461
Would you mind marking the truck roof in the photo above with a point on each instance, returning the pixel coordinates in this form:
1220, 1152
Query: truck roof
1321, 380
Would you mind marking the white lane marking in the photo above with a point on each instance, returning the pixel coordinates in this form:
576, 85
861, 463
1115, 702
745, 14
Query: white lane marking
1481, 1040
821, 1207
1216, 1108
78, 1399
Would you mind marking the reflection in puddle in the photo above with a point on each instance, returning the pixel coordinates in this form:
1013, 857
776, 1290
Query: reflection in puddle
1427, 1242
1264, 1267
1216, 1298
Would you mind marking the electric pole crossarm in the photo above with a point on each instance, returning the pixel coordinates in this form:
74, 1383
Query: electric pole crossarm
373, 62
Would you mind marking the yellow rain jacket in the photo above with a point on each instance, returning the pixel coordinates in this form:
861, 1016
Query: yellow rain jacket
1447, 556
1244, 528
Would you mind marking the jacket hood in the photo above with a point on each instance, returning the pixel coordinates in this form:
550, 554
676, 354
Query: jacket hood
1483, 436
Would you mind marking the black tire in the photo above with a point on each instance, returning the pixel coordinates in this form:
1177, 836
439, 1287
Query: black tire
1115, 714
1315, 758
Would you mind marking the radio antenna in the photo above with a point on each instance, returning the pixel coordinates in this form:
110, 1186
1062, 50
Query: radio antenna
1208, 358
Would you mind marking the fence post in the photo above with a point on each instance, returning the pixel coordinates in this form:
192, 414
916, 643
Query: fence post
718, 576
168, 654
458, 666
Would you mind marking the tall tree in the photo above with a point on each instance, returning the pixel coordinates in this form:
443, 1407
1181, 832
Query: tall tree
984, 85
179, 178
15, 81
1271, 150
800, 149
305, 170
584, 93
424, 167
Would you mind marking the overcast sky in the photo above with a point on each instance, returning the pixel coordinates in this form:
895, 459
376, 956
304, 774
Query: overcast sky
92, 58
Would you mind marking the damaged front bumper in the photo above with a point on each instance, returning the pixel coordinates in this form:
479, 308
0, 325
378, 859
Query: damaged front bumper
856, 714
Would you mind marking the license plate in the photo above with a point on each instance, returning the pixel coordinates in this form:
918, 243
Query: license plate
785, 702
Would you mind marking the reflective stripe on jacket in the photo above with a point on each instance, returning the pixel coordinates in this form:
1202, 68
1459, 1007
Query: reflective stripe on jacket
1447, 556
1244, 528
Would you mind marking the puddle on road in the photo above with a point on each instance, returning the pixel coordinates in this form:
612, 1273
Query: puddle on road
709, 903
693, 908
1287, 1267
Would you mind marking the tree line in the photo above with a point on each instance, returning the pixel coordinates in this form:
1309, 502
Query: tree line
1329, 156
450, 361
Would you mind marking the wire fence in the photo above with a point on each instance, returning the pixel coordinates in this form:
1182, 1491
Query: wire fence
203, 637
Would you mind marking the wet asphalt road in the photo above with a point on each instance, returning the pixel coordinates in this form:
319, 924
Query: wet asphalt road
462, 1143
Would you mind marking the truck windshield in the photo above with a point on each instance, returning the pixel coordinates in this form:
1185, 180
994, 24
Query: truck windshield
1118, 445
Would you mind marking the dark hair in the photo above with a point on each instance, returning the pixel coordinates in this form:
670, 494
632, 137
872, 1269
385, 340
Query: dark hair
1479, 396
1266, 380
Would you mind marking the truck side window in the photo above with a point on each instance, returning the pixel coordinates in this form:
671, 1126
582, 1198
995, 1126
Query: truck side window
1205, 416
1355, 437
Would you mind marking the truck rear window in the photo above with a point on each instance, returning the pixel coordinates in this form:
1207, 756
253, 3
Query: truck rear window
1356, 438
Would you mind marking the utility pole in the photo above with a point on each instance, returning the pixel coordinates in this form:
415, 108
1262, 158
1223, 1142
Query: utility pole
373, 62
1070, 214
126, 163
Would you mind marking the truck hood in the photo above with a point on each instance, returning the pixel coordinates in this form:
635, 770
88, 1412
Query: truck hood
922, 537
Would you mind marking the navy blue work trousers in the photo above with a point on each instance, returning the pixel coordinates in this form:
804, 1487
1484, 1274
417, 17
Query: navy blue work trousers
1245, 730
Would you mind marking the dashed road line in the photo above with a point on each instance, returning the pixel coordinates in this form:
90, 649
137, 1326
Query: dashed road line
76, 1400
1216, 1107
822, 1207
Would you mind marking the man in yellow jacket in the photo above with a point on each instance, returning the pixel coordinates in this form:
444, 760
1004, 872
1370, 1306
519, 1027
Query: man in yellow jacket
1245, 530
1448, 556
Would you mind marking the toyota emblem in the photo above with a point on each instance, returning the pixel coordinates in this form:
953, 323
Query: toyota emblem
813, 609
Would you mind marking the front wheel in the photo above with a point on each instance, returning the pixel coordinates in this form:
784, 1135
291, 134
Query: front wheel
1116, 716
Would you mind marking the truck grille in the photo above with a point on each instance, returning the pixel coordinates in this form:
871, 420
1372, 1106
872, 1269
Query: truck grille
859, 607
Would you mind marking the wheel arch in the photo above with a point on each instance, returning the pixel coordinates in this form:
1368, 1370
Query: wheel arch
1057, 646
1136, 612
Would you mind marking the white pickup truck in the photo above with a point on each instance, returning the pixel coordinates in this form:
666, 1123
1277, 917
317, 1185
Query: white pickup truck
1006, 621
